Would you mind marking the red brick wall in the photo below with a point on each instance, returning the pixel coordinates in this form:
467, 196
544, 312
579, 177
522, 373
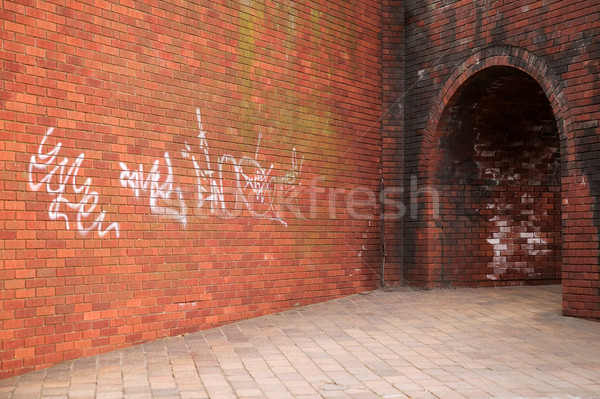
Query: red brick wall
124, 219
167, 168
556, 44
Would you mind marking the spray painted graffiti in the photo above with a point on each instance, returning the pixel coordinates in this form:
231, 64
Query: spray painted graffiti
158, 191
255, 187
60, 181
249, 186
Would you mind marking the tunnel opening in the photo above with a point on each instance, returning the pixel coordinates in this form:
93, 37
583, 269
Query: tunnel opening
499, 181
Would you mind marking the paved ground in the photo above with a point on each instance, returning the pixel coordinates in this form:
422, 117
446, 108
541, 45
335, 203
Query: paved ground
465, 343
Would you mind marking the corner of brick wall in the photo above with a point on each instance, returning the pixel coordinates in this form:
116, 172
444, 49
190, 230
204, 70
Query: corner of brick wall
392, 47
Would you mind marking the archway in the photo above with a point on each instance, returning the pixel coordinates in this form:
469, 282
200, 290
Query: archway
498, 177
424, 235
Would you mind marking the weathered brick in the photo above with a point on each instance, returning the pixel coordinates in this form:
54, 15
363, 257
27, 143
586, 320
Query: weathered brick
101, 255
449, 61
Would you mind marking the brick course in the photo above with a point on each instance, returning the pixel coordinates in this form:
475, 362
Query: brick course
154, 225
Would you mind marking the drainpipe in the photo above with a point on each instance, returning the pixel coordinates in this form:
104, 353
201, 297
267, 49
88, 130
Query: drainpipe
382, 226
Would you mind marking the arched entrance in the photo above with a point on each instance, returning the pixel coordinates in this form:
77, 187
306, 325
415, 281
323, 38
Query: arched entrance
492, 151
498, 176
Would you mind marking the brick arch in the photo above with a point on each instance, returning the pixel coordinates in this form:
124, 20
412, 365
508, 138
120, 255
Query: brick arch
429, 251
497, 56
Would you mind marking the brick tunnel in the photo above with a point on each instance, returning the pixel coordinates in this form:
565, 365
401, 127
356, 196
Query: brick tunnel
498, 176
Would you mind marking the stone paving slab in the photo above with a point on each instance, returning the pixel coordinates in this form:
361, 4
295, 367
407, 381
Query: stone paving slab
403, 343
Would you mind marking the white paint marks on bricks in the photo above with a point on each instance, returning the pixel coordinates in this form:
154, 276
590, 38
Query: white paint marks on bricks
255, 187
58, 177
156, 189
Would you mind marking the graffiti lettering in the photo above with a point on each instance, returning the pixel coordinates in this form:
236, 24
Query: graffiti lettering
248, 186
58, 178
260, 192
159, 191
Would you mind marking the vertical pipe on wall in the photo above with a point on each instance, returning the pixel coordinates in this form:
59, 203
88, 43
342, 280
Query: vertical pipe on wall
382, 225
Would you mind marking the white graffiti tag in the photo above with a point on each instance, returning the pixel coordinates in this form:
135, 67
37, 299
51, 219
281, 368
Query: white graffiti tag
158, 191
230, 185
60, 177
255, 187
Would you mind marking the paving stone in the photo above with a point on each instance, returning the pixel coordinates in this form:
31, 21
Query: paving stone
464, 343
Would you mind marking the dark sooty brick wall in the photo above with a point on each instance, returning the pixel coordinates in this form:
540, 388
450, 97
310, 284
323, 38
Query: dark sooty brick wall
501, 109
499, 180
